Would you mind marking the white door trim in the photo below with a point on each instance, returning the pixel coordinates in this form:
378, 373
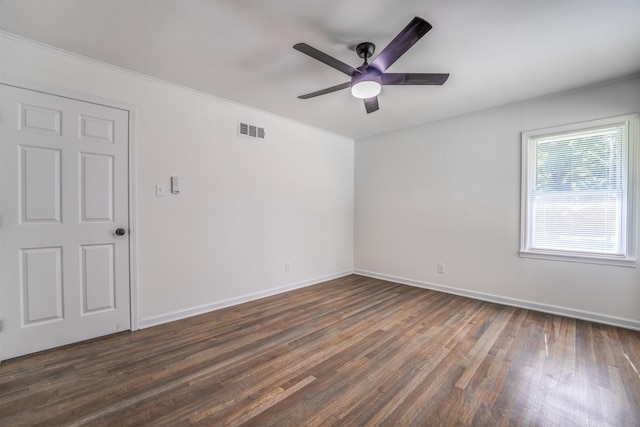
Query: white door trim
131, 109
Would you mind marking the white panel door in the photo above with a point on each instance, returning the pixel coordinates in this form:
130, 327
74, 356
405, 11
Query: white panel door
64, 271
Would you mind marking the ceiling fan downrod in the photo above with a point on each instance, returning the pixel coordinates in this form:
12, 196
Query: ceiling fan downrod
365, 50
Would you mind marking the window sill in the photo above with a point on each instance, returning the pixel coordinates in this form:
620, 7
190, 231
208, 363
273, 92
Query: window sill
554, 256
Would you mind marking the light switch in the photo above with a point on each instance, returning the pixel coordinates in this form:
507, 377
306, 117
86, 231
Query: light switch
175, 185
160, 190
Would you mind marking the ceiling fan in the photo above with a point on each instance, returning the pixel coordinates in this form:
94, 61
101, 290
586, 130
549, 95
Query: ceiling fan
368, 79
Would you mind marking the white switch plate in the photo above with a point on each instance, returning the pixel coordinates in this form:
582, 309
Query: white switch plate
160, 191
440, 268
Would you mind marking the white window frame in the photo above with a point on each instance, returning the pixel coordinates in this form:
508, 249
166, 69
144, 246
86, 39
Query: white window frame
629, 259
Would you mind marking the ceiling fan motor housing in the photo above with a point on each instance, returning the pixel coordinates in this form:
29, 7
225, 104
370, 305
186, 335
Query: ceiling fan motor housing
368, 74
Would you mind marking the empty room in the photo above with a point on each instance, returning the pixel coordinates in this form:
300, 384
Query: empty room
320, 212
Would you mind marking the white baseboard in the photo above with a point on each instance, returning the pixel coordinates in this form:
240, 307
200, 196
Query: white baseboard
545, 308
183, 314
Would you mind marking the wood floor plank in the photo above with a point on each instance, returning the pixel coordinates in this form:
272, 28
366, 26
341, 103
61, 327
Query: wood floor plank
353, 351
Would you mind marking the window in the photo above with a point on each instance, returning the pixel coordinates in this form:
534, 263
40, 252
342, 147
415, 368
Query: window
579, 192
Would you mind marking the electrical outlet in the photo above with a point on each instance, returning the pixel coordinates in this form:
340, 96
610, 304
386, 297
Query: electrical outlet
440, 268
287, 267
160, 190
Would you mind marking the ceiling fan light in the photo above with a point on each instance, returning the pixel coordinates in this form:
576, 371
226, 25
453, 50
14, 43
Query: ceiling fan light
366, 89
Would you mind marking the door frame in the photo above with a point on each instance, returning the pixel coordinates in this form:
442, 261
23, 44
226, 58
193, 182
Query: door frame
132, 170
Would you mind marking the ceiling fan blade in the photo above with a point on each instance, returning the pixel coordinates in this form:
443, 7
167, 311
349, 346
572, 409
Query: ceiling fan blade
371, 104
414, 79
325, 91
324, 58
413, 32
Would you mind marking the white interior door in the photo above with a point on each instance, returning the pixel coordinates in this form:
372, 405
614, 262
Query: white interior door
64, 271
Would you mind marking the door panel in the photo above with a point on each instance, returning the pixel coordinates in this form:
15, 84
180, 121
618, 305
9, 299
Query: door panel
98, 278
96, 129
64, 274
41, 284
96, 182
39, 119
39, 184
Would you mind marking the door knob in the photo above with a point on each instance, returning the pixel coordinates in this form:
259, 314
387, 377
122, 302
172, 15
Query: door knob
121, 232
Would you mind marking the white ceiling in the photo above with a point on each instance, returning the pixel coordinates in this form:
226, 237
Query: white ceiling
495, 51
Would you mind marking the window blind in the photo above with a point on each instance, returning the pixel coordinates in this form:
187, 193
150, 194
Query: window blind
578, 191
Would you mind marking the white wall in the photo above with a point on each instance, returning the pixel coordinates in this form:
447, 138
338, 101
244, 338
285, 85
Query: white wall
446, 192
246, 207
449, 192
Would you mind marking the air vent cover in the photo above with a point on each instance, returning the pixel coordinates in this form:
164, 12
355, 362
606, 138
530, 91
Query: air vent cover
251, 131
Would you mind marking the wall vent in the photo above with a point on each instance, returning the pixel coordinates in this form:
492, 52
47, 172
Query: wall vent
251, 131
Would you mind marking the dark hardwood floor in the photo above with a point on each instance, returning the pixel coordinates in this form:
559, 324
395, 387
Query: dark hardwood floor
349, 352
